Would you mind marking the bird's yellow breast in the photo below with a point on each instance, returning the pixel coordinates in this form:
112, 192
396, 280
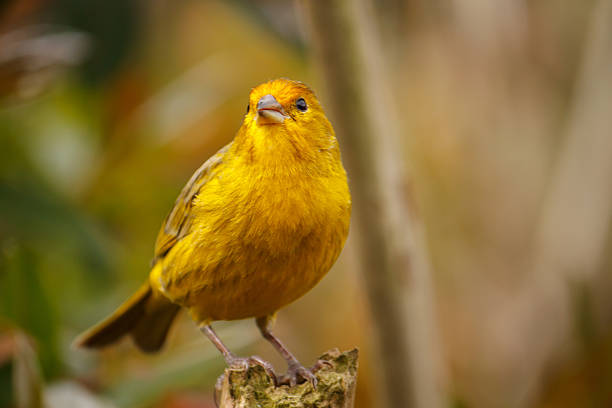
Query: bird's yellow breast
263, 233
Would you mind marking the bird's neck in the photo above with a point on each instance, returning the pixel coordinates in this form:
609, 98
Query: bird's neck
276, 150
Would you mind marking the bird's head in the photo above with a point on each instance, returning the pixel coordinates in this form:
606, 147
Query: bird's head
283, 110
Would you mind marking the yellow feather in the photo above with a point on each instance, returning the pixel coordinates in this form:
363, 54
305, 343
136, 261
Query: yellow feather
262, 221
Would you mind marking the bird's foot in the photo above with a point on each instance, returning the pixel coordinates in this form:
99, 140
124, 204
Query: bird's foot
297, 373
320, 364
243, 363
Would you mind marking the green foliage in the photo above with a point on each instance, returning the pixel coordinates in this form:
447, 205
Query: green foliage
24, 302
113, 26
6, 384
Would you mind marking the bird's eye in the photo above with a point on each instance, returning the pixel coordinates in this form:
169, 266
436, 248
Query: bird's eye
248, 108
301, 105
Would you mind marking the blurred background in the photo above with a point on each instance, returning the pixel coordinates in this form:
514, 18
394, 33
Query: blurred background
499, 123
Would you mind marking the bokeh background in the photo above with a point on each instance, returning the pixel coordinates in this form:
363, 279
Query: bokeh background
500, 119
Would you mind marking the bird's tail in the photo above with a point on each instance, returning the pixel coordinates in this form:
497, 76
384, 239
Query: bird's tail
146, 316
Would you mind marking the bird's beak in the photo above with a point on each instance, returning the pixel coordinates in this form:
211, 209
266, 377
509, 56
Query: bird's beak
269, 111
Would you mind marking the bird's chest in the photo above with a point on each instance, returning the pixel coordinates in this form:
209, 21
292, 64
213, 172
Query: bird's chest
266, 245
275, 213
280, 216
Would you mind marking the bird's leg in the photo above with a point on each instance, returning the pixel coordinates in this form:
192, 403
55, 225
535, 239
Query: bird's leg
295, 369
234, 361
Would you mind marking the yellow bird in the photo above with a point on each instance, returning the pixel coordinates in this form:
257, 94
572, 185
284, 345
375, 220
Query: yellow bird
255, 228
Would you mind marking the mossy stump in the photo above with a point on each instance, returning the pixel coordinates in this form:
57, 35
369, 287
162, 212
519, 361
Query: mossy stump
253, 388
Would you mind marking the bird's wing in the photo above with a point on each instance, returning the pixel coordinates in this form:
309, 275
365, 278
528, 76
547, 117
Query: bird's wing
177, 223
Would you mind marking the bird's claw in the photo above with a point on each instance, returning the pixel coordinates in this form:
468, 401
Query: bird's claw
297, 372
320, 364
243, 363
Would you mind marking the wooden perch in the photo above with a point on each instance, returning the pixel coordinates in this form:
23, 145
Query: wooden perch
255, 388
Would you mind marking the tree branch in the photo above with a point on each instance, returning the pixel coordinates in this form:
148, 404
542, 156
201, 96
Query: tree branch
253, 387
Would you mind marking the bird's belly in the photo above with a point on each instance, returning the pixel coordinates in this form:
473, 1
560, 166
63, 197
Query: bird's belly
252, 294
257, 284
250, 280
238, 264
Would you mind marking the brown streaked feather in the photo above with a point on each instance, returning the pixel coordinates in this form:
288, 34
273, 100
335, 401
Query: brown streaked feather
150, 332
145, 316
119, 323
177, 223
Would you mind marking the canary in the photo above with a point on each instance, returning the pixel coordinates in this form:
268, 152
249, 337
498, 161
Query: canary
255, 228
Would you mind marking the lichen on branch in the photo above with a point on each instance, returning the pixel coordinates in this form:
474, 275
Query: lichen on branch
253, 387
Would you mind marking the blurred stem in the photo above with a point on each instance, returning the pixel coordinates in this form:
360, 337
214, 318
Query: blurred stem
577, 210
575, 218
27, 381
392, 250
